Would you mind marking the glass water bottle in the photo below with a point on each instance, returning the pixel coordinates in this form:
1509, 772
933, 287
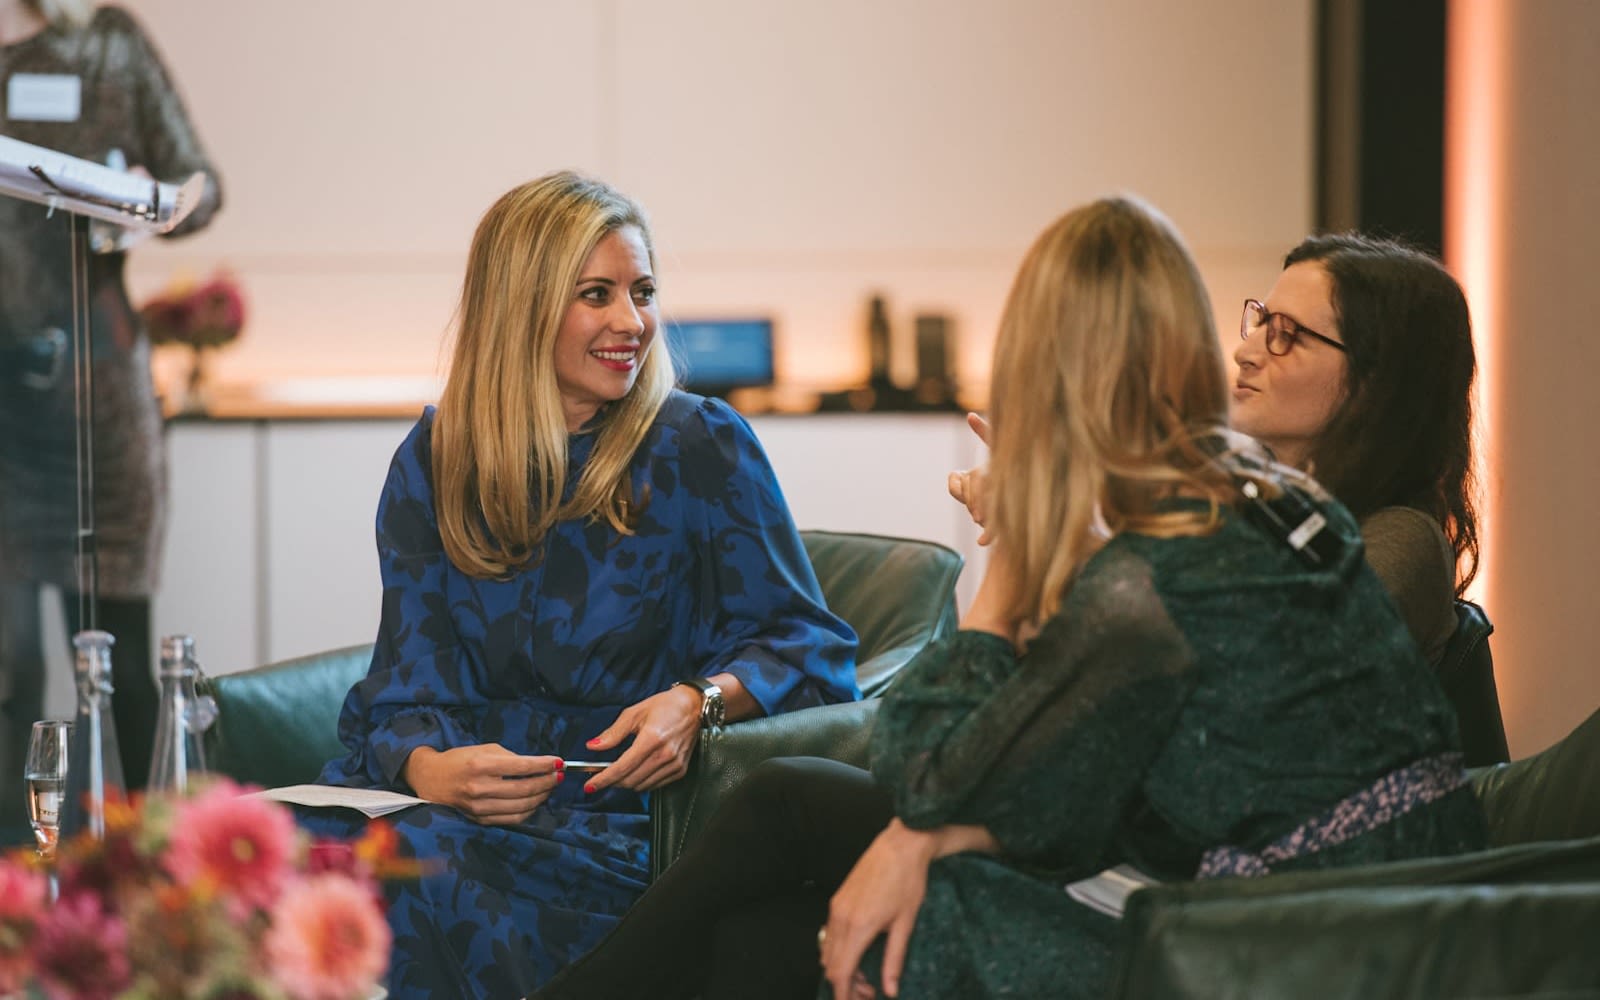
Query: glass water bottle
94, 770
185, 715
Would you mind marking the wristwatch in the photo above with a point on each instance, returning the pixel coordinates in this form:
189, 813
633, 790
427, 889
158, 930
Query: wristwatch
711, 708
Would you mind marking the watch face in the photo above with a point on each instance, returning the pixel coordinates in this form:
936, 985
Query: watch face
711, 711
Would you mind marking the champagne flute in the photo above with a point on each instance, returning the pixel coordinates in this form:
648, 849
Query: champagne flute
46, 777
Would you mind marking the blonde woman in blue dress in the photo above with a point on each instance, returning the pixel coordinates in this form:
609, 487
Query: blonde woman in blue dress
578, 562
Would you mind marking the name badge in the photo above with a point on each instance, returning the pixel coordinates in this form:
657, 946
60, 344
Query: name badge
44, 97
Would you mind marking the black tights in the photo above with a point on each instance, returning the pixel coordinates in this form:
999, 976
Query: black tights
737, 914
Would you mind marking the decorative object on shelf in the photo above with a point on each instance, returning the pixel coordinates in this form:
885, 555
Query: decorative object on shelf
936, 381
934, 388
201, 317
878, 345
213, 895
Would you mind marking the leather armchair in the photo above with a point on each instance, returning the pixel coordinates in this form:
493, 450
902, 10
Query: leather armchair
1516, 920
899, 595
278, 724
1466, 673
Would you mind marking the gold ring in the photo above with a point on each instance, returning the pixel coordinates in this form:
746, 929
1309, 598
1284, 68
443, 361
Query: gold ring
822, 937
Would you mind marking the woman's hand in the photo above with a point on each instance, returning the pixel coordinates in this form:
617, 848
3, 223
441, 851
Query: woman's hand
969, 486
487, 782
664, 728
882, 895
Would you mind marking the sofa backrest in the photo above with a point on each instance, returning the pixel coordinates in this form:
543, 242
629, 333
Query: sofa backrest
278, 724
897, 593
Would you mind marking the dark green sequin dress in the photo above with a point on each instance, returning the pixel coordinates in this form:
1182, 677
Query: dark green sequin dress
1191, 693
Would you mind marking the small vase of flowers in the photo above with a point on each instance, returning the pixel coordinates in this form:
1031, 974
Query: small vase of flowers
202, 317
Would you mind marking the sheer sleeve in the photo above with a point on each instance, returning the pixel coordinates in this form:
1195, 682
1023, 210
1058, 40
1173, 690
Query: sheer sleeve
1046, 749
761, 613
420, 689
172, 149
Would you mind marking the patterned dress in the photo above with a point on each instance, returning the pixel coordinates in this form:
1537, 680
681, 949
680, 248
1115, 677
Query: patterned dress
1191, 694
713, 580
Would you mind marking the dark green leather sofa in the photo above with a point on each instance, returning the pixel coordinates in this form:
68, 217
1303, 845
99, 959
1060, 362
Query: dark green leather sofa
1519, 920
277, 724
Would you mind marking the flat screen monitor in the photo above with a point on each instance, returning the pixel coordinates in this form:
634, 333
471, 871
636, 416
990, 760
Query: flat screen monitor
714, 356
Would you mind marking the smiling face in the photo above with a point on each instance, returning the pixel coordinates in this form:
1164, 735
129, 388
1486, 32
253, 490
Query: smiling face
608, 328
1286, 402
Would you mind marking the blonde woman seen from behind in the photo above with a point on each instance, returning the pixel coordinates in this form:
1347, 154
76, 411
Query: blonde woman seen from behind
1148, 675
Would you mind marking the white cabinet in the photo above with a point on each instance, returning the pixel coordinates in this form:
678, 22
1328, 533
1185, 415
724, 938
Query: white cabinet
215, 549
270, 550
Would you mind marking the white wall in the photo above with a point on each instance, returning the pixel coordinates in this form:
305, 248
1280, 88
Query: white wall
795, 157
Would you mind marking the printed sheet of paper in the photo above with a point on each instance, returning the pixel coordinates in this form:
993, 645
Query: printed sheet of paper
1108, 891
371, 801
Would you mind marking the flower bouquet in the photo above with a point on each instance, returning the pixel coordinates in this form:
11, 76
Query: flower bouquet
201, 317
214, 897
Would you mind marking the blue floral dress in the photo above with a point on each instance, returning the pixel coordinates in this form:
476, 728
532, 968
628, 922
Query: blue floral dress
713, 580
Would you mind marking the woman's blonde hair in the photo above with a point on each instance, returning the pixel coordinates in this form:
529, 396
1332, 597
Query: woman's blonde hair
500, 439
1108, 379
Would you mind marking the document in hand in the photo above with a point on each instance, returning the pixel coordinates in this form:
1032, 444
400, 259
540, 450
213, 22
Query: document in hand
1108, 891
371, 801
84, 187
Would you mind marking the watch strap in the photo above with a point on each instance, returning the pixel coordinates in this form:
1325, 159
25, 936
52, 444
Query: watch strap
711, 705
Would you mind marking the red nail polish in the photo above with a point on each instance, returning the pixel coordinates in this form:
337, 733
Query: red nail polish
592, 742
560, 777
588, 789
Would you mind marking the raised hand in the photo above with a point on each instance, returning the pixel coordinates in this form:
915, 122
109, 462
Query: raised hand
968, 486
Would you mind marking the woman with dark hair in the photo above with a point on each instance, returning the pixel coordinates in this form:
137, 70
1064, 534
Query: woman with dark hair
1358, 368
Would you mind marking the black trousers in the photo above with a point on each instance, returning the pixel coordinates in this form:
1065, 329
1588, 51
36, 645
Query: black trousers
737, 914
21, 699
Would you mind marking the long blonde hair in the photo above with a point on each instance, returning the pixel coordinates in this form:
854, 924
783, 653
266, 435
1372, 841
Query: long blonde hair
1107, 377
500, 439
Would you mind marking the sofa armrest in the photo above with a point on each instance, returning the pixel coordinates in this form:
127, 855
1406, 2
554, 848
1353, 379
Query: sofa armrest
725, 756
1503, 922
1400, 942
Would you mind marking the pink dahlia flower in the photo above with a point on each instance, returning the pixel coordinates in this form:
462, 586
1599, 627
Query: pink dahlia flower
240, 848
328, 939
22, 892
22, 897
80, 951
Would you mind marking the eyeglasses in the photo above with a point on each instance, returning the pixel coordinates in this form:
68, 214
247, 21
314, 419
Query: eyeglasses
1281, 330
